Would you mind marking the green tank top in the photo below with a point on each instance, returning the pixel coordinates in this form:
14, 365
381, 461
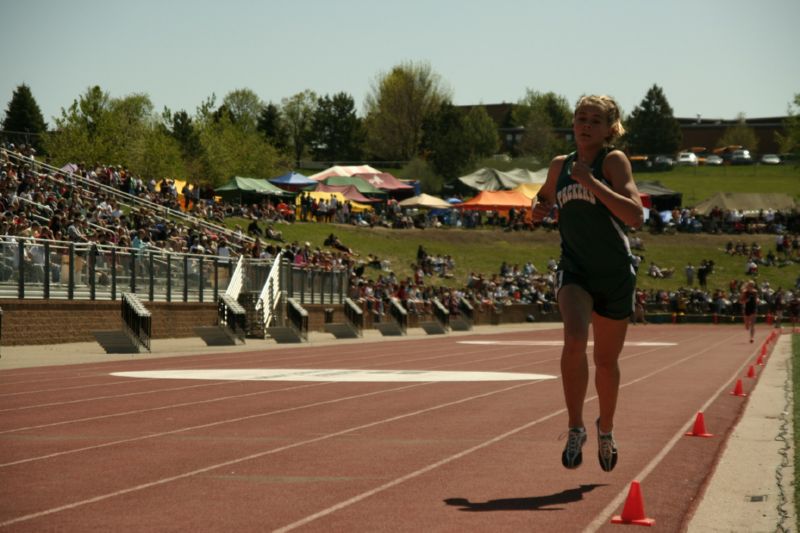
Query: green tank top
593, 241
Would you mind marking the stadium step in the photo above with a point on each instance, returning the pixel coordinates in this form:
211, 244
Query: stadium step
433, 327
341, 330
389, 328
284, 334
117, 341
460, 324
217, 335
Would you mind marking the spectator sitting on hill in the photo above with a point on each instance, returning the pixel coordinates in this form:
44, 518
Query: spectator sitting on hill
334, 241
274, 234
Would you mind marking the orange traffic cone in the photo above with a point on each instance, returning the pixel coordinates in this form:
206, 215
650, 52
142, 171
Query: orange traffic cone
699, 429
760, 360
751, 372
633, 511
737, 390
764, 349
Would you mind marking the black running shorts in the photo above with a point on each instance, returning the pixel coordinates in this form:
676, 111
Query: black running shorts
613, 296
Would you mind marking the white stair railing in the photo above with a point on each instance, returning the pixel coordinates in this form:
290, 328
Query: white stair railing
237, 279
270, 295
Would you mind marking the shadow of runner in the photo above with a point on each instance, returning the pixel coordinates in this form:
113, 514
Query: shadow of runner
532, 503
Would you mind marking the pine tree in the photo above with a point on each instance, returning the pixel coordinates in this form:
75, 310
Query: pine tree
652, 127
24, 123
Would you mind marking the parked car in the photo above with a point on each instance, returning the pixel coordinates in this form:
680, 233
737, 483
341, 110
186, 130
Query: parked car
741, 157
687, 158
663, 162
714, 160
770, 159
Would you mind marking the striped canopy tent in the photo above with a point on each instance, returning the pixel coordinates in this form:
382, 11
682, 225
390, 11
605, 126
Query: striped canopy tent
385, 181
344, 171
363, 187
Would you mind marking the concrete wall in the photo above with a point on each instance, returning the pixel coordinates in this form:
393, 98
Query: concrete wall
59, 321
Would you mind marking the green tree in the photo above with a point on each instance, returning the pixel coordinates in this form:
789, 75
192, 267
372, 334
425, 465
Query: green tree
99, 129
231, 151
23, 123
740, 134
155, 154
181, 128
419, 169
454, 140
77, 135
336, 131
789, 142
271, 126
245, 108
396, 109
554, 107
652, 127
539, 113
298, 113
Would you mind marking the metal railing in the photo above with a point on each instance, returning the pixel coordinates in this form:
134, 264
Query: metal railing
136, 319
35, 268
298, 317
354, 316
440, 313
399, 314
466, 310
270, 295
313, 286
236, 281
232, 315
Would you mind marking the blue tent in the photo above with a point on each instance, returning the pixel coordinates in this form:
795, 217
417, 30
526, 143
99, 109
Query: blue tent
292, 179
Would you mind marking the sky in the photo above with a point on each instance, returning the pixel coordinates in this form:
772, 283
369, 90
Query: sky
717, 59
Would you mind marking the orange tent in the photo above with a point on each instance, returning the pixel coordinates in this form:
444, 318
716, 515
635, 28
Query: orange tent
497, 200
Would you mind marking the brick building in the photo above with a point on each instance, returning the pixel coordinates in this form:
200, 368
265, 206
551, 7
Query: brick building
708, 132
696, 131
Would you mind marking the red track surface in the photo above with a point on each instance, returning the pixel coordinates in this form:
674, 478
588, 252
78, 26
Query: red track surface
82, 450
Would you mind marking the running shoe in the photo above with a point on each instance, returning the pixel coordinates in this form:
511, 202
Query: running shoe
572, 457
606, 450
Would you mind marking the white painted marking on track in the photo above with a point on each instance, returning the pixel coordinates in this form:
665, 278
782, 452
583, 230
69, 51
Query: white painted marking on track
560, 343
333, 375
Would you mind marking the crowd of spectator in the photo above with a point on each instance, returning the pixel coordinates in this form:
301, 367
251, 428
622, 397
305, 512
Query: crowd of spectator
53, 205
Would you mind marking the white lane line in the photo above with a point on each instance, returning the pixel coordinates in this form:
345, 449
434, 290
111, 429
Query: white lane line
428, 468
113, 396
310, 441
604, 517
561, 343
338, 375
258, 455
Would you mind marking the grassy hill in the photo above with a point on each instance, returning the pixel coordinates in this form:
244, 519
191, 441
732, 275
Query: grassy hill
483, 250
700, 183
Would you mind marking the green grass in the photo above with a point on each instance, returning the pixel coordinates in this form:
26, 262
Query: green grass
483, 250
702, 182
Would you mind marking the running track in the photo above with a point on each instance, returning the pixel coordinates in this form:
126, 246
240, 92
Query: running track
84, 450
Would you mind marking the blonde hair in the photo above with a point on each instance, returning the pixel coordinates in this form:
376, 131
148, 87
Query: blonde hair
609, 108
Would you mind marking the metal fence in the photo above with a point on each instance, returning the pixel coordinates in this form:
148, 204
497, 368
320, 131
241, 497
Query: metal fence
34, 268
43, 269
